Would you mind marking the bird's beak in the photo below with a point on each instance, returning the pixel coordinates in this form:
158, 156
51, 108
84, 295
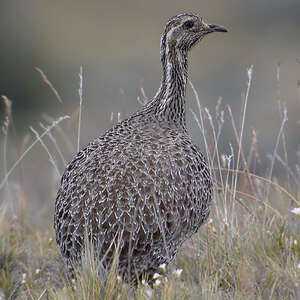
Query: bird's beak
216, 28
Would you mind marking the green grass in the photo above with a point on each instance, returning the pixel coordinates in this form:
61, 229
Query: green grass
249, 248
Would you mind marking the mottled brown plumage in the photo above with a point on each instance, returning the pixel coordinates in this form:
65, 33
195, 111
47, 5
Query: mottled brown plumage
144, 182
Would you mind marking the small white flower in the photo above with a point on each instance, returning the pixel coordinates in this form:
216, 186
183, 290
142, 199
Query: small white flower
156, 275
298, 266
296, 211
178, 272
163, 266
157, 283
23, 278
144, 282
37, 271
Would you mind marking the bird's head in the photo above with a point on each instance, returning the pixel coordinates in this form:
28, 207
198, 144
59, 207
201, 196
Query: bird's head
183, 31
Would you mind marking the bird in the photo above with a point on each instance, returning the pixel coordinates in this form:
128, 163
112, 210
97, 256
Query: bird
143, 187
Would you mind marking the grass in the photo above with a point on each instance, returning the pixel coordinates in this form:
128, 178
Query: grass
249, 248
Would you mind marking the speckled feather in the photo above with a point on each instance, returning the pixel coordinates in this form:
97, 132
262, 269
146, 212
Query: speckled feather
144, 182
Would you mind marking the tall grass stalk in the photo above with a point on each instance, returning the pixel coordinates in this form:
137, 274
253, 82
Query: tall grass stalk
80, 93
67, 141
250, 70
53, 139
5, 129
281, 111
52, 160
49, 84
216, 150
16, 163
200, 122
283, 122
242, 155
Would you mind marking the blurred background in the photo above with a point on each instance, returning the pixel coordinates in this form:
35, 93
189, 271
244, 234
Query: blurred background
117, 43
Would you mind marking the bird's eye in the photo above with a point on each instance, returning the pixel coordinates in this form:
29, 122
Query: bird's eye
188, 24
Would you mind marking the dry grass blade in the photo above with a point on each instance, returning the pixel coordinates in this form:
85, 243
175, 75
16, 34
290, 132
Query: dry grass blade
5, 129
7, 105
80, 93
224, 190
284, 120
55, 123
50, 85
62, 133
245, 164
8, 112
281, 109
52, 138
247, 195
250, 70
201, 126
52, 160
274, 184
145, 98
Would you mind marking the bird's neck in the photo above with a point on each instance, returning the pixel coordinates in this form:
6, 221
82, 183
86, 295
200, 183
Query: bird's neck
170, 98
